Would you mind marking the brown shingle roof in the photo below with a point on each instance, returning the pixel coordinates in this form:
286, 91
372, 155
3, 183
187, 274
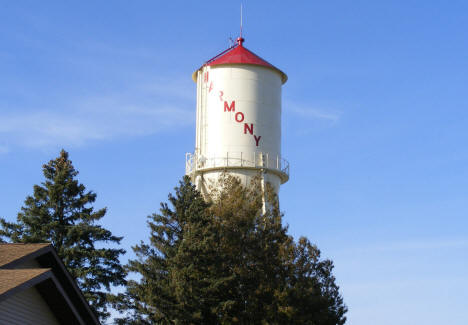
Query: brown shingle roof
13, 252
53, 282
13, 278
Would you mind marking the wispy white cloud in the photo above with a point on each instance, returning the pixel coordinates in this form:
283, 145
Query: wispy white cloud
424, 244
313, 113
136, 112
174, 88
106, 48
3, 149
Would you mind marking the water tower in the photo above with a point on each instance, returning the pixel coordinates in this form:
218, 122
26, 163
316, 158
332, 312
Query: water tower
238, 120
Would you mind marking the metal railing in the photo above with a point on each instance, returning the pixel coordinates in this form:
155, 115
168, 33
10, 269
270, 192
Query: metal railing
194, 162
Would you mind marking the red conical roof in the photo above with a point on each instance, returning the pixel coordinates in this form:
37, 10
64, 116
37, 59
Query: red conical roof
238, 54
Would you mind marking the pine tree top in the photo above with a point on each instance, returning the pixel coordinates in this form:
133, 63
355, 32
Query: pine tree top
60, 211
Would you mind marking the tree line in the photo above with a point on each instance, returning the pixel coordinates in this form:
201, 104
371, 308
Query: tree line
225, 259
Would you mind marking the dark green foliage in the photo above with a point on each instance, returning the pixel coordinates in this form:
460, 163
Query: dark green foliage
159, 262
60, 212
226, 262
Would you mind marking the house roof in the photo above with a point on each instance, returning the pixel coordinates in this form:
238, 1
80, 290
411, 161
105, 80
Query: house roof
49, 276
10, 279
14, 252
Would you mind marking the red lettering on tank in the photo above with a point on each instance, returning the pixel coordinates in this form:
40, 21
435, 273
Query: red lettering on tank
231, 108
257, 140
206, 76
239, 117
247, 128
221, 93
211, 87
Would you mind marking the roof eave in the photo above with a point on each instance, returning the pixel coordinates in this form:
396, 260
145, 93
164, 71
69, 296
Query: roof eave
284, 76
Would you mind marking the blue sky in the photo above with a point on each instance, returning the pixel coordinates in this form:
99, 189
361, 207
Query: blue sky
375, 116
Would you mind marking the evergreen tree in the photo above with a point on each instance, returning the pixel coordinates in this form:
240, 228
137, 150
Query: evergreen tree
60, 212
159, 296
227, 262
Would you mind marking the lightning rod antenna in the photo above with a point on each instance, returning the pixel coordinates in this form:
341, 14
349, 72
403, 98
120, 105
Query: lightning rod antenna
240, 40
241, 20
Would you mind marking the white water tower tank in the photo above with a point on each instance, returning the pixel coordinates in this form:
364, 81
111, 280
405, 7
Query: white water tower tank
238, 120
